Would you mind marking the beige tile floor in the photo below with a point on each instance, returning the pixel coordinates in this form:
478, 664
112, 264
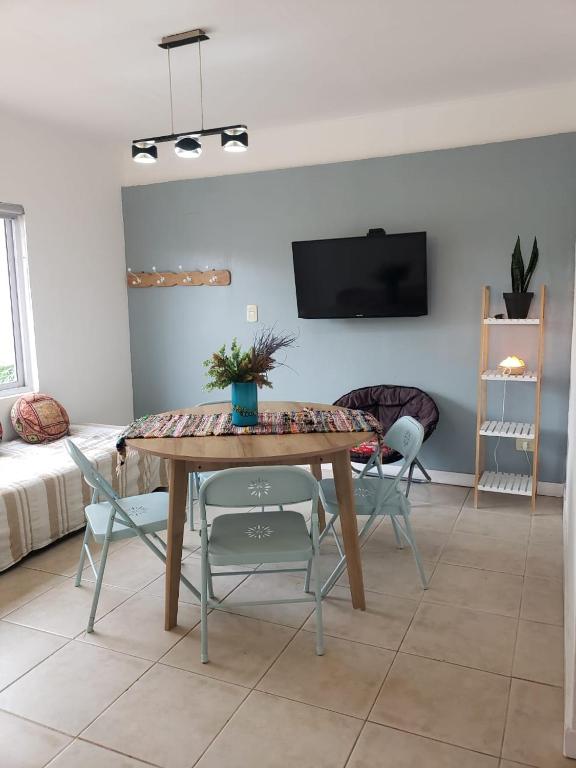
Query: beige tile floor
466, 675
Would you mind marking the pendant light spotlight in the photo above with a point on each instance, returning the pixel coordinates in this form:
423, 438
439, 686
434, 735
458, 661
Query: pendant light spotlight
234, 138
144, 152
188, 146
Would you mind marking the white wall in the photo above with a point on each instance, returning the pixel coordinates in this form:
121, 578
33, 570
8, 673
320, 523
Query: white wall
70, 189
483, 119
570, 567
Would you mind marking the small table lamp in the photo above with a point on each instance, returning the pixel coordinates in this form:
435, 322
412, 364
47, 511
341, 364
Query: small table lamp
512, 366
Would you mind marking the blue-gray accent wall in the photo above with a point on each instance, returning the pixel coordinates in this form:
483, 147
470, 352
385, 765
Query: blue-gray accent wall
472, 202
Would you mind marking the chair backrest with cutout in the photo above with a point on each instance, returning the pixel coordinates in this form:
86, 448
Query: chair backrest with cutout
405, 437
92, 476
258, 487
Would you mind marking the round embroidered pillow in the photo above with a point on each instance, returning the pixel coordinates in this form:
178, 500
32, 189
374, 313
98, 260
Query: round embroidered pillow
39, 418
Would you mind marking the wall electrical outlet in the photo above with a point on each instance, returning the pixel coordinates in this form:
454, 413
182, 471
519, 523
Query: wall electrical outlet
524, 445
252, 313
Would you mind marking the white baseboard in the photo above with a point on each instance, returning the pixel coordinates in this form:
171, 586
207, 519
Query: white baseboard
569, 742
551, 489
464, 479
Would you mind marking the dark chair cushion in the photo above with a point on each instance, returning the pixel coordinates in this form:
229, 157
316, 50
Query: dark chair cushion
387, 403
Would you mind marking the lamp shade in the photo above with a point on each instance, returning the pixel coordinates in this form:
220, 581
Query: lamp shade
144, 152
188, 146
235, 140
512, 366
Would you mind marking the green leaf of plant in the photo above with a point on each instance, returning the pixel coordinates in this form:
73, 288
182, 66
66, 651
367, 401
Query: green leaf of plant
531, 266
517, 268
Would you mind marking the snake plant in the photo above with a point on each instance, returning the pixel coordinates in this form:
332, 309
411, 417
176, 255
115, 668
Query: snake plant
520, 277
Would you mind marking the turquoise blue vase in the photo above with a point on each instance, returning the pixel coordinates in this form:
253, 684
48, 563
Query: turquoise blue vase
245, 404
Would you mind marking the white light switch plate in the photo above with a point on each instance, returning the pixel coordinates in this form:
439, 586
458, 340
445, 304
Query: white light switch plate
252, 313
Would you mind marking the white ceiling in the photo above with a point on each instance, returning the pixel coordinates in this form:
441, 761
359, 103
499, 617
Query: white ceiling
95, 65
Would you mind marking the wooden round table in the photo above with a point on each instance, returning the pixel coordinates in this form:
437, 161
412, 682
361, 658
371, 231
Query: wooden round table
202, 454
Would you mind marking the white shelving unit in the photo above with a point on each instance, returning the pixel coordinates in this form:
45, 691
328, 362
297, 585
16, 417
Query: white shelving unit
505, 482
495, 375
508, 321
517, 430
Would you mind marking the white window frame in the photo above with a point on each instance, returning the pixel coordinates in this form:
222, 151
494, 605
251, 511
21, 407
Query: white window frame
12, 223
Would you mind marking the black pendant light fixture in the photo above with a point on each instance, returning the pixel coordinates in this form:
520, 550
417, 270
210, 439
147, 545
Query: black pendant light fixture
235, 139
188, 144
144, 152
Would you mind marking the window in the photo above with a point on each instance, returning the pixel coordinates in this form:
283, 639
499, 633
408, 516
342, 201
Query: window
15, 345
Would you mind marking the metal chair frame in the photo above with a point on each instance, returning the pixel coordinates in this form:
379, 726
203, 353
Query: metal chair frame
405, 436
102, 490
272, 486
195, 478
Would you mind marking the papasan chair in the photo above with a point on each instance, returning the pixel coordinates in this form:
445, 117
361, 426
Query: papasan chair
387, 403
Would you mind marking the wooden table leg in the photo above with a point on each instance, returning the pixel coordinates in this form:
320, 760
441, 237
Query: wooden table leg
178, 487
345, 495
316, 470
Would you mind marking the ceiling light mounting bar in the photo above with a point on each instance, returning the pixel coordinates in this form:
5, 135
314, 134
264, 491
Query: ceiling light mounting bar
201, 132
183, 38
233, 138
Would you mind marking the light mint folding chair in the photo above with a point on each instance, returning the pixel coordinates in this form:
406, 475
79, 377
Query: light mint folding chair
109, 518
377, 496
195, 479
264, 537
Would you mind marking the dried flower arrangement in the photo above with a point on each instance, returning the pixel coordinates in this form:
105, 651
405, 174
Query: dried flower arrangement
243, 366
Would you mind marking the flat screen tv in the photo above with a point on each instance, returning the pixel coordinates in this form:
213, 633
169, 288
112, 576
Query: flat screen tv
381, 276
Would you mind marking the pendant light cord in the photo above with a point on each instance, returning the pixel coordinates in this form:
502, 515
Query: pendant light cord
201, 87
171, 99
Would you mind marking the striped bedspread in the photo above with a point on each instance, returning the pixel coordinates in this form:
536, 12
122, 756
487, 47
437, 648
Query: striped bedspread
42, 494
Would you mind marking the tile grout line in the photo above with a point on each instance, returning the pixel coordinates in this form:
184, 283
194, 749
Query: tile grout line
116, 752
57, 755
107, 707
297, 631
436, 740
5, 688
40, 725
45, 592
153, 664
420, 601
507, 709
354, 743
52, 634
56, 634
461, 666
400, 651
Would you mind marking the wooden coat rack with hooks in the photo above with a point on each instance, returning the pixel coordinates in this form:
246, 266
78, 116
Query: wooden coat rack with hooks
154, 279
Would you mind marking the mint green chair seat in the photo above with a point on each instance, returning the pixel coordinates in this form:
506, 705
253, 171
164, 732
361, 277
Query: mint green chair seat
149, 511
378, 496
263, 537
108, 518
260, 537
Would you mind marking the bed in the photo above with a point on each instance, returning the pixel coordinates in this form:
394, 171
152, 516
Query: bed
42, 494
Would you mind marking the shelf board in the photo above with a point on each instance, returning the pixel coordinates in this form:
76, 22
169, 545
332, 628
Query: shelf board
504, 482
508, 321
516, 429
495, 375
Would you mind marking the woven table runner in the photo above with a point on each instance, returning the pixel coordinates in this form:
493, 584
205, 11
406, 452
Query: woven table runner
269, 423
